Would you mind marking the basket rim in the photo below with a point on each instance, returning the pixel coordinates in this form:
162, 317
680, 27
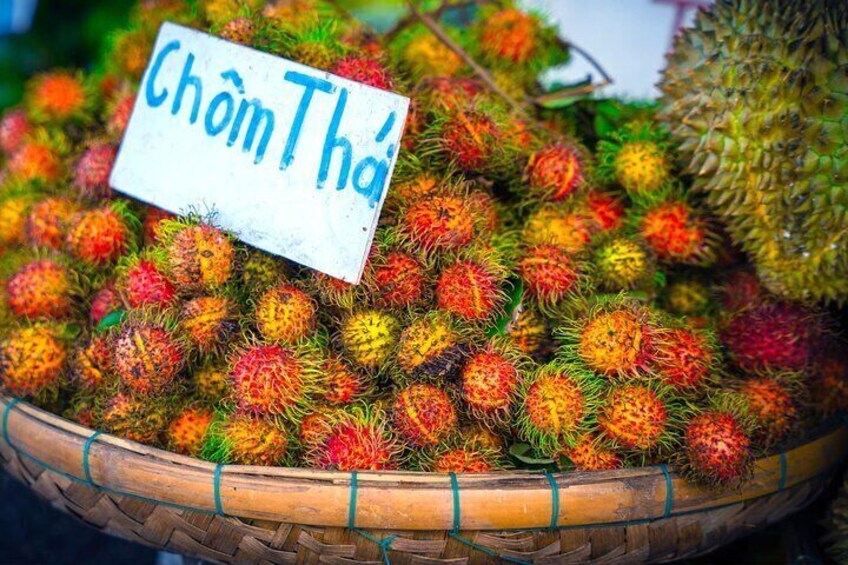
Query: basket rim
404, 500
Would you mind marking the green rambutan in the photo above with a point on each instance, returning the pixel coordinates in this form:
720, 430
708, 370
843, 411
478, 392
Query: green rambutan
40, 289
636, 417
148, 356
356, 438
637, 158
273, 381
717, 449
48, 221
201, 257
32, 361
426, 55
99, 237
285, 314
14, 128
187, 431
622, 263
430, 347
261, 271
556, 404
555, 172
91, 171
209, 323
423, 414
687, 297
240, 439
369, 337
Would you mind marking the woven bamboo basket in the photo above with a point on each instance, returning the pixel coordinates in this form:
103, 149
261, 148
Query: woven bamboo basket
238, 514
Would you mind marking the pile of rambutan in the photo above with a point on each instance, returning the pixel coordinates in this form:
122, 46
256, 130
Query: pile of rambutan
531, 292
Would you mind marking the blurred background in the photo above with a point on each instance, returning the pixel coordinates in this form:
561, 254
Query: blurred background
628, 37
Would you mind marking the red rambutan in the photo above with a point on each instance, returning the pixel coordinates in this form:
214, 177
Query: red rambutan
489, 383
35, 161
773, 407
201, 257
14, 127
343, 384
605, 209
104, 302
635, 417
239, 30
187, 431
40, 289
48, 221
148, 357
358, 438
423, 414
150, 227
439, 223
32, 361
430, 347
683, 359
98, 237
57, 95
676, 233
589, 453
549, 274
366, 70
554, 172
209, 323
92, 170
717, 449
92, 363
469, 290
244, 440
398, 280
510, 36
144, 284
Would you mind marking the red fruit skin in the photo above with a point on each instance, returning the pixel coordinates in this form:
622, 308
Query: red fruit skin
717, 448
773, 337
548, 272
91, 173
147, 357
150, 226
555, 172
399, 280
146, 285
423, 414
14, 126
607, 210
268, 380
365, 70
355, 446
741, 290
98, 237
468, 290
469, 138
104, 302
683, 359
39, 290
119, 116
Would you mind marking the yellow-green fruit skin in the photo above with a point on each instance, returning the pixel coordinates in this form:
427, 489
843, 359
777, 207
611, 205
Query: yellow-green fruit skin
756, 95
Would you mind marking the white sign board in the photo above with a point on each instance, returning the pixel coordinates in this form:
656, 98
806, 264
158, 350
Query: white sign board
294, 160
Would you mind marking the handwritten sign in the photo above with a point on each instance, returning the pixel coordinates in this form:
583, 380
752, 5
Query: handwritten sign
294, 160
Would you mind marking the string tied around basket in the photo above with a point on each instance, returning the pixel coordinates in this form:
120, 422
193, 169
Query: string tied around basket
86, 450
216, 489
6, 413
385, 544
554, 500
669, 490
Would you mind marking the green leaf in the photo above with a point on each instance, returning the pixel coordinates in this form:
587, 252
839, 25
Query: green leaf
110, 320
515, 293
524, 453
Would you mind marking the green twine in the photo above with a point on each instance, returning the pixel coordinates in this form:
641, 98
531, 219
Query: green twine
6, 412
86, 449
216, 489
669, 490
781, 484
456, 506
554, 500
384, 544
351, 508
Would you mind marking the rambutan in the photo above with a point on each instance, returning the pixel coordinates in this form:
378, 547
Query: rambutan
829, 380
606, 210
397, 280
529, 332
261, 271
14, 127
369, 337
32, 361
48, 221
358, 438
35, 161
773, 406
272, 380
635, 417
244, 440
621, 263
201, 257
509, 36
430, 347
240, 30
135, 418
142, 283
105, 301
91, 172
554, 172
343, 384
615, 339
676, 234
209, 323
91, 366
555, 403
285, 314
469, 138
187, 431
331, 291
118, 112
641, 167
148, 356
684, 359
557, 225
470, 290
99, 237
426, 55
57, 95
423, 414
211, 382
462, 460
13, 217
366, 70
741, 289
450, 93
550, 275
687, 297
590, 453
717, 449
773, 337
132, 51
40, 289
439, 223
489, 382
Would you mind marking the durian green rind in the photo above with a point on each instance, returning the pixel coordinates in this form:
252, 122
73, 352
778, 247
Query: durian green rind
756, 95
